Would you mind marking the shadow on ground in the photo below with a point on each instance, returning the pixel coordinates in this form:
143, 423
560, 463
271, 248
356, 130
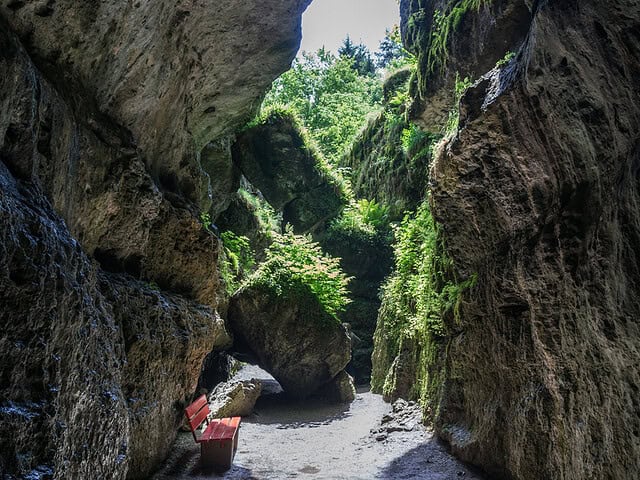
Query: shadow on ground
429, 461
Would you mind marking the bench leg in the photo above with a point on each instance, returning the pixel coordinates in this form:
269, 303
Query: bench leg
235, 443
217, 455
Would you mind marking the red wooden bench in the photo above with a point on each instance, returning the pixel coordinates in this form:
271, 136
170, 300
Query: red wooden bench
219, 439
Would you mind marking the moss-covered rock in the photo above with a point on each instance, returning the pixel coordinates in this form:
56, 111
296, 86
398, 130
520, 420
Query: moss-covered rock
292, 335
277, 159
389, 160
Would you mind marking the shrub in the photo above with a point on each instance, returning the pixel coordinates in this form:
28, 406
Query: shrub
238, 260
296, 266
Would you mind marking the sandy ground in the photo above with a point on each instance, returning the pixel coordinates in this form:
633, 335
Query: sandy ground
313, 440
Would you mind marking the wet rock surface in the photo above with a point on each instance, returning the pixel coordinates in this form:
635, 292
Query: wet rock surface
295, 341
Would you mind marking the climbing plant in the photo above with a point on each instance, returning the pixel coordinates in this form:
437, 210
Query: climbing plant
417, 297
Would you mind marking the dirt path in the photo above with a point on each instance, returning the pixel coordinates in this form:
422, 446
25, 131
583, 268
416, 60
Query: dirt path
312, 440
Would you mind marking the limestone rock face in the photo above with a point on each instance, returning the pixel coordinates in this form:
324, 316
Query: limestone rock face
538, 195
177, 75
275, 159
165, 339
109, 289
235, 399
295, 341
339, 390
95, 177
60, 366
84, 351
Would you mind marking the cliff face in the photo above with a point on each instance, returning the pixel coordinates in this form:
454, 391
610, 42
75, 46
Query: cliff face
176, 75
109, 284
537, 194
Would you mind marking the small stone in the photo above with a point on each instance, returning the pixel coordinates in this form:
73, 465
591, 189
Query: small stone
399, 405
380, 437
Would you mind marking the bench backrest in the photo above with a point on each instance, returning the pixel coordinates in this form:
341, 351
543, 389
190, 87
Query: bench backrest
197, 413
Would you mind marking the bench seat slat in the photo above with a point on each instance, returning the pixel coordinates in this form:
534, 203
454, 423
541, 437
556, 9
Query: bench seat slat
221, 429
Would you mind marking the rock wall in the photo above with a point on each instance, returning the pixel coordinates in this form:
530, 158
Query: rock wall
537, 194
108, 282
176, 74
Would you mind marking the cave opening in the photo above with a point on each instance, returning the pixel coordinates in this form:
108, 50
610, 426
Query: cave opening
375, 243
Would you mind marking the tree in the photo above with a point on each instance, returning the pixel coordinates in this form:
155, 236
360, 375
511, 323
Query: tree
331, 98
360, 56
391, 53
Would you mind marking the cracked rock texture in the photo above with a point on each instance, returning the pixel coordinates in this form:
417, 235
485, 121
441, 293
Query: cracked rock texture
115, 126
176, 74
538, 194
294, 339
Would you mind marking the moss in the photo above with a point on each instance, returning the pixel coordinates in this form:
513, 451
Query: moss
429, 35
443, 24
390, 158
412, 332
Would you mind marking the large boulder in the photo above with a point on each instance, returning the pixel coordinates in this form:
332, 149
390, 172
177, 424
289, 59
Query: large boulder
235, 399
294, 338
276, 158
339, 390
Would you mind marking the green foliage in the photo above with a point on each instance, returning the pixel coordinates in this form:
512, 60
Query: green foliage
295, 265
454, 115
366, 216
359, 55
392, 54
411, 290
266, 215
238, 260
419, 295
418, 144
372, 213
329, 96
205, 219
510, 55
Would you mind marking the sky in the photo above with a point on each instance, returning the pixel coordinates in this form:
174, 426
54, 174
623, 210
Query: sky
327, 22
